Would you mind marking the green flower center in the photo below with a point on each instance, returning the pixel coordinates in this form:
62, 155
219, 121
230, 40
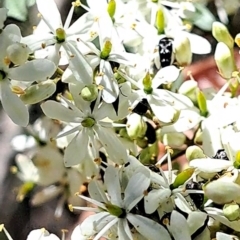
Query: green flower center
115, 210
88, 122
60, 35
106, 50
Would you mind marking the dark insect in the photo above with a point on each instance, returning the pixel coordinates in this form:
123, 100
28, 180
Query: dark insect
221, 154
150, 133
165, 50
141, 107
197, 198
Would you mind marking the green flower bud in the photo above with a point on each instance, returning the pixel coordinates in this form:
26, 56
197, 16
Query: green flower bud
231, 211
160, 21
174, 139
106, 50
18, 53
221, 34
123, 133
189, 88
88, 122
38, 92
136, 126
142, 142
194, 152
236, 163
224, 60
182, 47
198, 139
147, 84
60, 35
89, 93
202, 103
111, 8
115, 210
182, 178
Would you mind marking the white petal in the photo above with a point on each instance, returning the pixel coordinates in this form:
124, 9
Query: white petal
196, 220
13, 106
179, 227
224, 236
57, 111
50, 14
77, 234
111, 180
112, 144
74, 154
36, 70
97, 191
124, 230
105, 29
111, 90
210, 165
80, 67
199, 45
155, 198
41, 234
148, 228
135, 190
166, 75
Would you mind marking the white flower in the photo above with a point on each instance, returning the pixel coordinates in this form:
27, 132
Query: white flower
89, 128
51, 33
114, 209
164, 104
28, 72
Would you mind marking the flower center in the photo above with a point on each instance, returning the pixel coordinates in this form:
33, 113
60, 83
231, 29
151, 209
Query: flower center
60, 35
88, 122
106, 50
115, 210
147, 84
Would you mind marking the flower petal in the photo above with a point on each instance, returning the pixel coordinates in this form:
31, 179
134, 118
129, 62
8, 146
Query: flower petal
124, 230
57, 111
50, 14
13, 106
135, 189
97, 191
115, 149
74, 154
111, 180
148, 228
36, 70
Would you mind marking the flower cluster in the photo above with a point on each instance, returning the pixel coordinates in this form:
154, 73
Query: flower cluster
120, 65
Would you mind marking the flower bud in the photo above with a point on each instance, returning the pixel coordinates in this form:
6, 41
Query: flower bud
194, 152
147, 84
18, 53
202, 103
111, 8
224, 60
106, 50
236, 163
142, 142
222, 192
38, 92
188, 88
123, 133
160, 21
89, 93
182, 47
221, 34
231, 211
174, 139
136, 126
182, 178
